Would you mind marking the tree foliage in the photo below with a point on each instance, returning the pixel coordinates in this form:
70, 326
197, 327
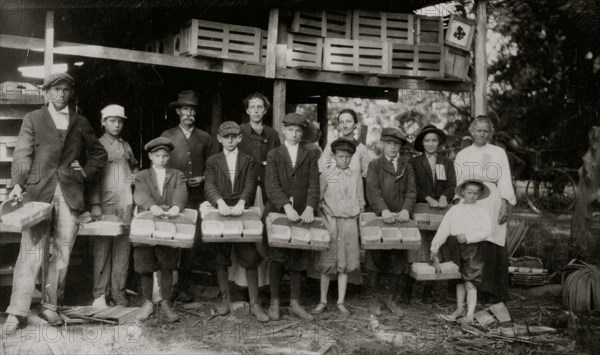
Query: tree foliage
545, 83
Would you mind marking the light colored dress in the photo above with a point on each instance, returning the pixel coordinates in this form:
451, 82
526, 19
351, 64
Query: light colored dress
490, 163
342, 199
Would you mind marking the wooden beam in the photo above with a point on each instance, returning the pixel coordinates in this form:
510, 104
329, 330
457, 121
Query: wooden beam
217, 111
323, 120
279, 93
480, 89
272, 43
49, 43
230, 67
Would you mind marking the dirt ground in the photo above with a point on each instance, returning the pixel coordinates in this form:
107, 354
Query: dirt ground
419, 331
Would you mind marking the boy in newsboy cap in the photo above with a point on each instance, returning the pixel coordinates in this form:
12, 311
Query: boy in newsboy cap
162, 191
391, 193
231, 178
292, 186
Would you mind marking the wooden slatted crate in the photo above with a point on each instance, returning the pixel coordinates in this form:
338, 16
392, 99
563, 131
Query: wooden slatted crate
264, 38
304, 51
402, 59
332, 24
456, 63
169, 44
429, 30
460, 32
220, 40
392, 27
355, 56
429, 61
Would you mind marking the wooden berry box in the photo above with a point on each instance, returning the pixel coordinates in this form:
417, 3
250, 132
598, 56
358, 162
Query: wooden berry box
383, 26
376, 234
17, 216
355, 56
425, 60
109, 226
220, 40
456, 63
331, 24
246, 228
429, 30
304, 51
284, 234
428, 218
178, 232
426, 272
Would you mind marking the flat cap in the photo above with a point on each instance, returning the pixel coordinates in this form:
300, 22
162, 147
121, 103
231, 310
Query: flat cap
113, 111
294, 119
159, 143
344, 144
229, 127
392, 135
56, 78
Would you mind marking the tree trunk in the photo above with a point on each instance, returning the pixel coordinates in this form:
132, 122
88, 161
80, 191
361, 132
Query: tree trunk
585, 241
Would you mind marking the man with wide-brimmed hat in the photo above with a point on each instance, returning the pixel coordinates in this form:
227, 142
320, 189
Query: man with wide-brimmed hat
46, 164
193, 146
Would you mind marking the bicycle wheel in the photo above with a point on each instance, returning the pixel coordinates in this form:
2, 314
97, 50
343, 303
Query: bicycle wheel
551, 190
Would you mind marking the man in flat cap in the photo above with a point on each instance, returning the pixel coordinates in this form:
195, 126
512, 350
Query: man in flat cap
48, 164
292, 186
391, 192
193, 146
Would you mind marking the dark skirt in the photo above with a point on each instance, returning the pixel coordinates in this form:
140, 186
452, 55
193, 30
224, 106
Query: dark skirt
495, 271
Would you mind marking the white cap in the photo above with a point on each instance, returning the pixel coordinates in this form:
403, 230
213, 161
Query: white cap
113, 111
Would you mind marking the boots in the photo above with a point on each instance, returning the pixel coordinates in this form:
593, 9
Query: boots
145, 311
168, 311
299, 311
273, 311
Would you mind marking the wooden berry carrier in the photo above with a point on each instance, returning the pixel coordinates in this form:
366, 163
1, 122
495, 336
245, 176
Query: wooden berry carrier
177, 232
17, 216
284, 234
246, 228
428, 218
108, 226
426, 272
375, 234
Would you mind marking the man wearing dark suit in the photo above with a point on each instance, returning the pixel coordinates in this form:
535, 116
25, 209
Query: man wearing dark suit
193, 146
52, 141
292, 186
230, 187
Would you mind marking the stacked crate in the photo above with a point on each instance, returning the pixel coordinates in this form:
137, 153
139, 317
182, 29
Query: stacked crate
458, 41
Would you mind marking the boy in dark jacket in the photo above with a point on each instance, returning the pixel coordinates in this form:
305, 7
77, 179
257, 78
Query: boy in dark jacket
230, 186
292, 186
162, 191
391, 194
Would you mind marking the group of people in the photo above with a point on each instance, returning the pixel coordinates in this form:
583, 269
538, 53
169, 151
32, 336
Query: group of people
250, 163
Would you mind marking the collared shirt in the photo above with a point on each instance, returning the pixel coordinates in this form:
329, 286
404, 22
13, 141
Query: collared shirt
60, 118
186, 132
231, 158
293, 150
394, 162
431, 158
472, 220
342, 192
160, 178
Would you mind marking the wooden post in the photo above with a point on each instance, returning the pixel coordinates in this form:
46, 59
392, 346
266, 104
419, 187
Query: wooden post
480, 89
49, 43
323, 120
279, 93
217, 111
272, 44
